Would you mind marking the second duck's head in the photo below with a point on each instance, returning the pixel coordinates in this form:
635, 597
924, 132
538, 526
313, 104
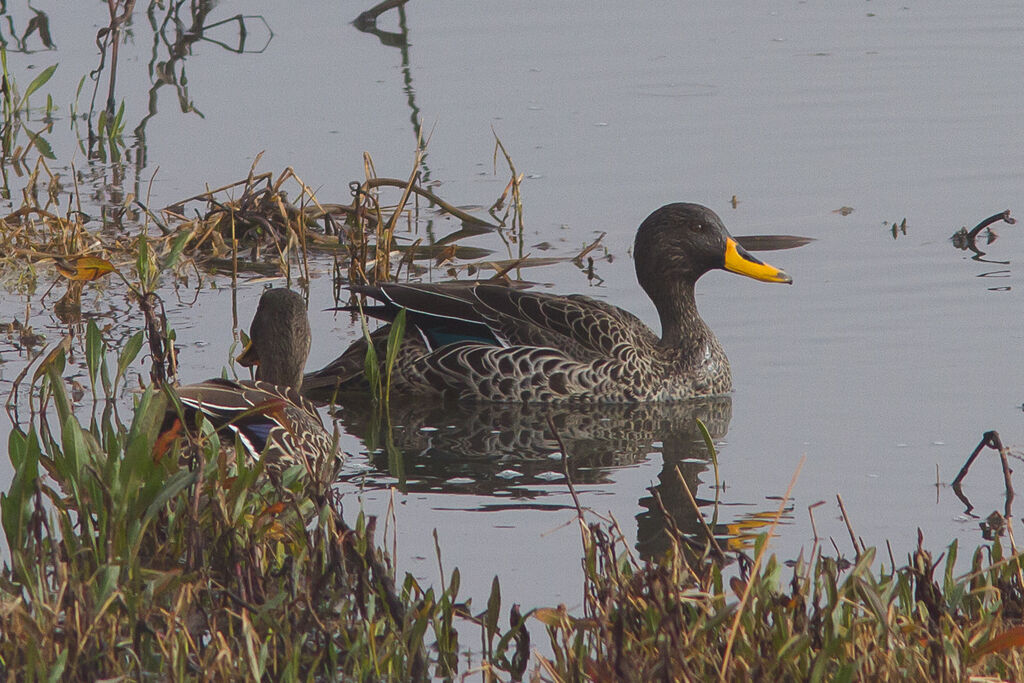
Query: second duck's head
279, 338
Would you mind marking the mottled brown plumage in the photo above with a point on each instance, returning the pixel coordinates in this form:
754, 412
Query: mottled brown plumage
490, 342
268, 415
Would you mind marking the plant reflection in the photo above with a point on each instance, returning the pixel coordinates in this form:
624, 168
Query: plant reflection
367, 23
17, 40
509, 452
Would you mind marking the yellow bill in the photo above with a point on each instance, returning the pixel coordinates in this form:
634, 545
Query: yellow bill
248, 357
738, 260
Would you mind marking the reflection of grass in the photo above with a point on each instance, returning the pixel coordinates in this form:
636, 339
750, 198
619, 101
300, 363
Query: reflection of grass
15, 110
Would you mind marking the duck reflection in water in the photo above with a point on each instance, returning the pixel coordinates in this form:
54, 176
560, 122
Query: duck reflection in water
509, 452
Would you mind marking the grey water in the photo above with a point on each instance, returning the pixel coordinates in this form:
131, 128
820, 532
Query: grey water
880, 367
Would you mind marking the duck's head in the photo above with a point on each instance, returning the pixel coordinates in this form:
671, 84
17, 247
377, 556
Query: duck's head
680, 242
279, 338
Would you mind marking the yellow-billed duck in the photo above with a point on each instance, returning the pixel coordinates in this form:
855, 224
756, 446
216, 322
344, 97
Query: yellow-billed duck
491, 342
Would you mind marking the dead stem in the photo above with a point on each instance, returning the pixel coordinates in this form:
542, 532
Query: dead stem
990, 439
849, 527
753, 571
700, 517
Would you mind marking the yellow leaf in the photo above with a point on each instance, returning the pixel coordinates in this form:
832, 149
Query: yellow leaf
64, 345
85, 268
549, 616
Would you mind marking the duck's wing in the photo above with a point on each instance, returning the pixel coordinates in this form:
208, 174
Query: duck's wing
442, 313
260, 413
460, 333
581, 327
447, 313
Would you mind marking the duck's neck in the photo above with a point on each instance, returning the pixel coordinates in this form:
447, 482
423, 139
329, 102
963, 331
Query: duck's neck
282, 371
681, 325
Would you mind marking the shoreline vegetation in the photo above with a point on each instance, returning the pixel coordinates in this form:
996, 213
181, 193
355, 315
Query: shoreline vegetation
195, 564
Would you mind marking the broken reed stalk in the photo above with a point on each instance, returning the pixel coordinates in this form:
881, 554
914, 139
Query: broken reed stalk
373, 183
992, 440
849, 527
814, 543
753, 572
517, 200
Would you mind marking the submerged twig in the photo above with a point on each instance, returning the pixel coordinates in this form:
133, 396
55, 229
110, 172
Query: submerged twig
992, 440
964, 239
995, 218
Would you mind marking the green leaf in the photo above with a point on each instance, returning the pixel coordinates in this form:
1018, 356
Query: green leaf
371, 367
16, 505
128, 353
177, 247
142, 262
493, 608
93, 350
57, 671
394, 344
453, 585
178, 482
39, 81
40, 143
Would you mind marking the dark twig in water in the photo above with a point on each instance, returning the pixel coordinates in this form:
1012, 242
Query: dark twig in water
368, 19
995, 218
964, 239
565, 468
992, 440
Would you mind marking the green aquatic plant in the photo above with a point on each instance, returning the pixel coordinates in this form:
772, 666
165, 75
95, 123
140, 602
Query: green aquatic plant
378, 377
127, 565
14, 116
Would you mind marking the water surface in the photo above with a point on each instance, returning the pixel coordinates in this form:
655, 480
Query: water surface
886, 360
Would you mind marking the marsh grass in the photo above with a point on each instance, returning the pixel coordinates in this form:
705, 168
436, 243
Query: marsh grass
126, 565
683, 617
122, 564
